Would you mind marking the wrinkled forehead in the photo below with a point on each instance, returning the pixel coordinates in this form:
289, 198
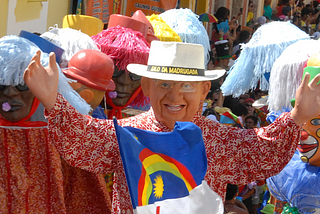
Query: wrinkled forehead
15, 56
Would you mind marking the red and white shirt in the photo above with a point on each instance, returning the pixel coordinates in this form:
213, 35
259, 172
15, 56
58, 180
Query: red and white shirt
236, 156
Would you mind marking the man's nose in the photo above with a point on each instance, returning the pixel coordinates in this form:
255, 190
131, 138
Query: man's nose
174, 93
10, 91
124, 79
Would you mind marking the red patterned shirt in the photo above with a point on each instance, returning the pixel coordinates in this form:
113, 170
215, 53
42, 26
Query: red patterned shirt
236, 156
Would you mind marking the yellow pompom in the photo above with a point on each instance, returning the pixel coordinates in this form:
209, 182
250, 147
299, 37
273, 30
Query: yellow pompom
163, 31
314, 60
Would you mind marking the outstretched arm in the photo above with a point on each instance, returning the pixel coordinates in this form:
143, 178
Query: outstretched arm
43, 81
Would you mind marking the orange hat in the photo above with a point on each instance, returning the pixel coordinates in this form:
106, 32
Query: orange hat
91, 68
138, 22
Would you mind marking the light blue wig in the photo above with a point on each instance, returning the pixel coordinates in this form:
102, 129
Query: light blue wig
187, 25
15, 55
258, 56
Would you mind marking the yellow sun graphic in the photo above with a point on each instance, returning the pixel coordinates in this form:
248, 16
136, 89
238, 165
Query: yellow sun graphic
158, 187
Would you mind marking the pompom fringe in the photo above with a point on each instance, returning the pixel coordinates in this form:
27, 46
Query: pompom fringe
123, 45
286, 73
187, 25
258, 56
70, 40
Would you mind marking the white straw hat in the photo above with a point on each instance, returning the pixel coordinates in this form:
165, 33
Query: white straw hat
175, 61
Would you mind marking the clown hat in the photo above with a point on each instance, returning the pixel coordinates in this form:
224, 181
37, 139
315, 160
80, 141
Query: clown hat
175, 61
44, 45
91, 68
138, 22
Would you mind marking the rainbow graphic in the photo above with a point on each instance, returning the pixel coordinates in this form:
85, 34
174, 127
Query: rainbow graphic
152, 163
160, 166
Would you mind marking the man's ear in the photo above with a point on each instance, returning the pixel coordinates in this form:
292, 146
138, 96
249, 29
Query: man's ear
145, 85
206, 85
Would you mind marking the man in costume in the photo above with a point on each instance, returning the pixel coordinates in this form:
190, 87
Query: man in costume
31, 176
91, 71
175, 95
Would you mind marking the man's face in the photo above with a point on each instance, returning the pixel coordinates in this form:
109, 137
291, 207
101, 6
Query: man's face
126, 84
249, 123
20, 99
225, 63
175, 100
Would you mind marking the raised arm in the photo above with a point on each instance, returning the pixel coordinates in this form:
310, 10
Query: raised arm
81, 140
43, 81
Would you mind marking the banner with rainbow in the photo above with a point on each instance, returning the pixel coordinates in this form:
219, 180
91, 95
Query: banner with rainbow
165, 170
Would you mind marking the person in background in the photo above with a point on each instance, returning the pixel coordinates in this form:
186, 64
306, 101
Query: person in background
251, 122
223, 55
210, 65
232, 204
250, 14
267, 10
244, 37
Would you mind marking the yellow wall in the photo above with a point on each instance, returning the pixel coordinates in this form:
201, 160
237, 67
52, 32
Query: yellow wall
57, 9
201, 7
3, 17
184, 4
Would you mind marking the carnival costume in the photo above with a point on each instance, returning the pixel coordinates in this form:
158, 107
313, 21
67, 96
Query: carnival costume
32, 179
230, 160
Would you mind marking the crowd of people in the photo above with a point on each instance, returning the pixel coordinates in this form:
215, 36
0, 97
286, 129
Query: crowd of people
59, 142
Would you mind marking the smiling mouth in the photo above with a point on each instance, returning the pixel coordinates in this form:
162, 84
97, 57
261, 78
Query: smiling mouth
174, 108
308, 147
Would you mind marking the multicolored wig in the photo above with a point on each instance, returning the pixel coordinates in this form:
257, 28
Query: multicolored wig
124, 46
162, 30
187, 25
70, 40
15, 55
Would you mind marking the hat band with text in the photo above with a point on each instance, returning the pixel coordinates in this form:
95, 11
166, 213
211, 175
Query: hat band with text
176, 70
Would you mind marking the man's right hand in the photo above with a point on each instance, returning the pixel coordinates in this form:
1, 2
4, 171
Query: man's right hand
43, 81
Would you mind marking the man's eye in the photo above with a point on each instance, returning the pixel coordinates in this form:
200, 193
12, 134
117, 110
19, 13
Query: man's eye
187, 86
165, 85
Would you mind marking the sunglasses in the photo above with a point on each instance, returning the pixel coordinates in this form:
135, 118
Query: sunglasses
20, 87
118, 73
248, 105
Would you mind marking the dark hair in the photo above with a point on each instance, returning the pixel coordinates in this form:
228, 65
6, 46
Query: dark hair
254, 118
208, 111
222, 14
211, 57
243, 36
232, 191
240, 110
315, 4
306, 11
